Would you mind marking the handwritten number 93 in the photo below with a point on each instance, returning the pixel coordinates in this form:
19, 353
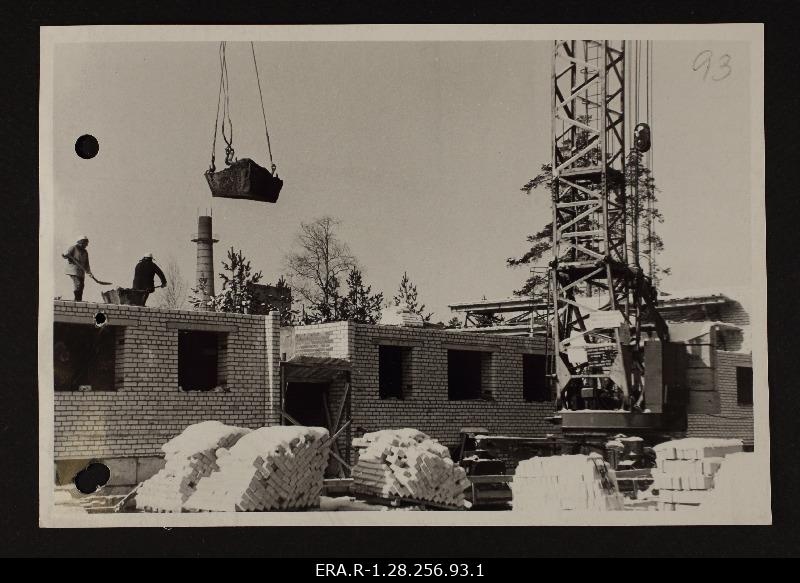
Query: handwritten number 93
719, 68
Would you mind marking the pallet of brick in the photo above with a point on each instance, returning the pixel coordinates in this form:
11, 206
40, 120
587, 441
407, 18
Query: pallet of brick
189, 457
406, 464
686, 469
272, 468
565, 482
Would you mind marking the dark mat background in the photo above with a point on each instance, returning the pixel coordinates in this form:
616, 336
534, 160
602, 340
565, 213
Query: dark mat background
18, 326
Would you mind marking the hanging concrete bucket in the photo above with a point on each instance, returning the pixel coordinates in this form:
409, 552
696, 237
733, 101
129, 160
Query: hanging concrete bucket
246, 180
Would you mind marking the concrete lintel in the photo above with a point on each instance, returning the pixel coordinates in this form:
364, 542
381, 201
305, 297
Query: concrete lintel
202, 326
388, 341
539, 351
473, 347
89, 320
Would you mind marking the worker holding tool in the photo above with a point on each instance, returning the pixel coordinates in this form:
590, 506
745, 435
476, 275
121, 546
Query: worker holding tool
145, 272
78, 265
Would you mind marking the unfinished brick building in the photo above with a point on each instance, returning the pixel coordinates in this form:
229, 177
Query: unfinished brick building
715, 327
129, 378
154, 371
434, 380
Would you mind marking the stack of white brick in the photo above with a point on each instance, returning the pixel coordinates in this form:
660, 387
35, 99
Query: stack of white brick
406, 463
565, 482
189, 457
736, 486
272, 468
686, 469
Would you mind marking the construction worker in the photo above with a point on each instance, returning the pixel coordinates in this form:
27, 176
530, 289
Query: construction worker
78, 265
145, 272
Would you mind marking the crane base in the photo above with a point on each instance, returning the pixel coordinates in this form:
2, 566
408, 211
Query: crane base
610, 420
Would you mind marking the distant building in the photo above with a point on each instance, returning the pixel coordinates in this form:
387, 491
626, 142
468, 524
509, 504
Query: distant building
716, 329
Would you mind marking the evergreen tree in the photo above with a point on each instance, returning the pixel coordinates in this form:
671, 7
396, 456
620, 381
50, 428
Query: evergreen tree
359, 305
236, 295
407, 298
453, 322
640, 208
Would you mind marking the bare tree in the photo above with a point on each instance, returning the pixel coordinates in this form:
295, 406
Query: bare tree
320, 262
173, 297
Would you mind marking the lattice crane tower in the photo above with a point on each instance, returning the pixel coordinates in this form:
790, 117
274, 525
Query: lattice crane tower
598, 296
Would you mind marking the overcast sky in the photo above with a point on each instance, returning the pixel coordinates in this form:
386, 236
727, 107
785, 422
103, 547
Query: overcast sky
419, 148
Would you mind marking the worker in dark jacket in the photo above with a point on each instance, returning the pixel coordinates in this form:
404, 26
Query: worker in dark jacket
78, 265
145, 272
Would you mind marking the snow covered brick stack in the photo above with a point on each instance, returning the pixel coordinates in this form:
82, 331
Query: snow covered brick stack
189, 457
405, 463
686, 470
736, 486
272, 468
565, 482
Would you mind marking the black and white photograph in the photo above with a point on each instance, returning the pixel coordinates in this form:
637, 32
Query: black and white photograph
402, 275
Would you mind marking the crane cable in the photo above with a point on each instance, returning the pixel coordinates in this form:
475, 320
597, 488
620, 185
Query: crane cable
263, 113
223, 102
637, 155
226, 106
650, 184
216, 124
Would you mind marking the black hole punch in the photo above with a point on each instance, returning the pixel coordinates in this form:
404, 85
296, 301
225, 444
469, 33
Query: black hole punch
92, 477
100, 319
87, 147
100, 472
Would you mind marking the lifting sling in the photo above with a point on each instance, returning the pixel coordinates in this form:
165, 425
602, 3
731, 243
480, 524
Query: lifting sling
243, 178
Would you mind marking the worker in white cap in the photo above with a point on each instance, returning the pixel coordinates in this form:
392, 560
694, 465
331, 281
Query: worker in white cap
145, 273
78, 265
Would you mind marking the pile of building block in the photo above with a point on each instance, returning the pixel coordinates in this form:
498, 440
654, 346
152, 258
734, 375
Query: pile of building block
272, 468
565, 482
736, 486
686, 469
407, 464
189, 457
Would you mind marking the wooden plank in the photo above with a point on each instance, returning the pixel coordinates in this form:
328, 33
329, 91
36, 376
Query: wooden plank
396, 501
341, 405
342, 428
630, 474
341, 461
332, 442
289, 418
501, 478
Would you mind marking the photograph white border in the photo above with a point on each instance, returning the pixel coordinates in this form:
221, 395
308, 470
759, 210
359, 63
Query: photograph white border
50, 37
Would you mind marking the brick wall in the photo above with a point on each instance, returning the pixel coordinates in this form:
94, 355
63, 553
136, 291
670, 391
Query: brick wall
326, 340
427, 407
147, 408
729, 418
